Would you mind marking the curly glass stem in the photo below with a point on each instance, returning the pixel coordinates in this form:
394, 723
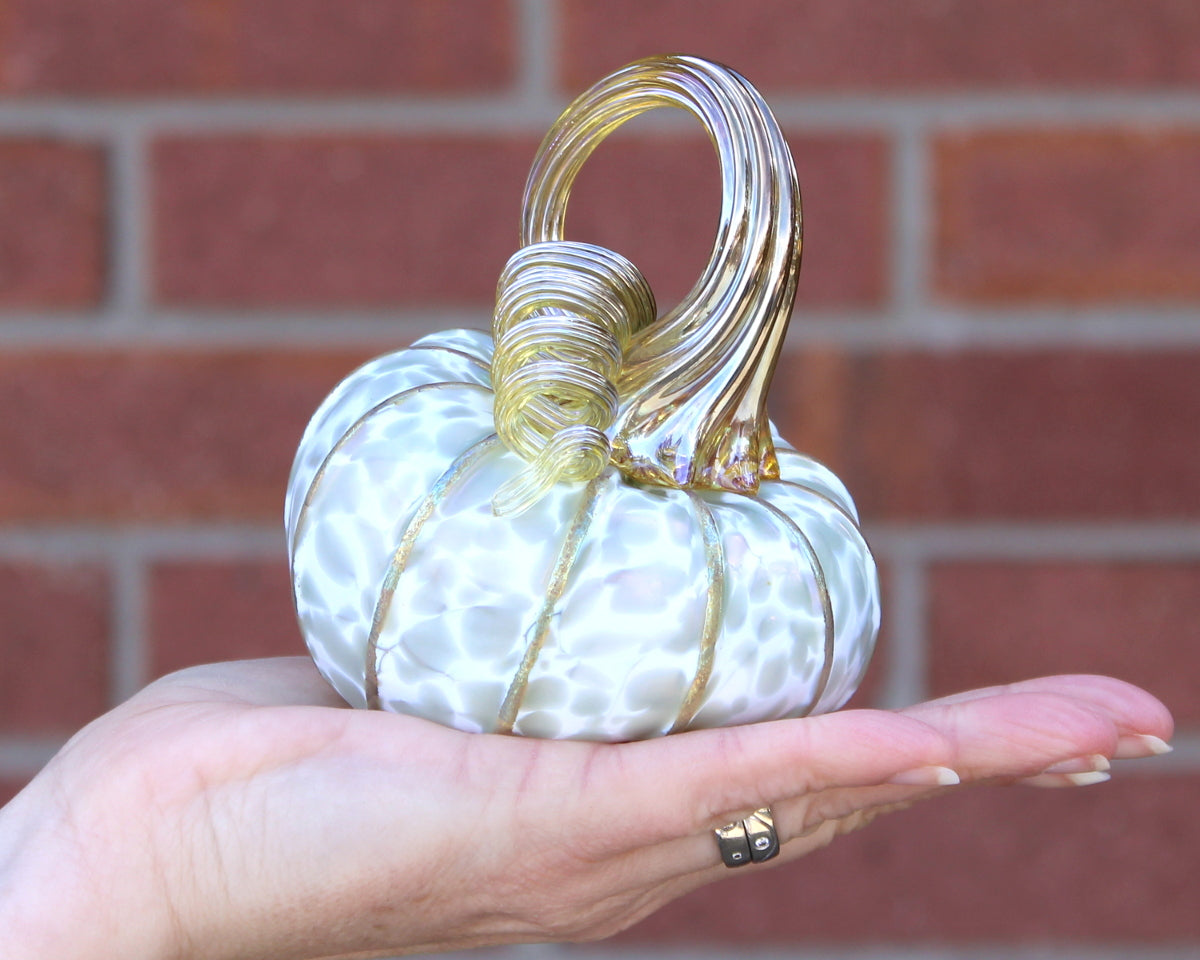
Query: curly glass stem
565, 314
691, 391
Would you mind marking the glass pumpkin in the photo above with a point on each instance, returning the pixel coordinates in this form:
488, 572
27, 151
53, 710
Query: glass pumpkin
587, 527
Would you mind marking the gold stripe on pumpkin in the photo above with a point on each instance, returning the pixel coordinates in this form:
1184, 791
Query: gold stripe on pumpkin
714, 609
822, 592
353, 429
813, 491
568, 554
482, 364
461, 466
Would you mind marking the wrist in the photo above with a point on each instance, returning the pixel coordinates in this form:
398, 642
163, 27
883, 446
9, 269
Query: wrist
29, 901
61, 893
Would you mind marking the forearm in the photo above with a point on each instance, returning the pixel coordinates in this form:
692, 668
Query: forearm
55, 900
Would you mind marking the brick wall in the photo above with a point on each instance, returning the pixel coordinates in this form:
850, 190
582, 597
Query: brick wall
210, 211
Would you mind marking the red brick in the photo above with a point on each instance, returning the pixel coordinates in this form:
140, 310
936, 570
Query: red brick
998, 622
866, 45
53, 646
368, 221
356, 221
657, 200
154, 435
1068, 216
59, 46
426, 45
10, 787
52, 213
1034, 435
209, 611
105, 47
1096, 865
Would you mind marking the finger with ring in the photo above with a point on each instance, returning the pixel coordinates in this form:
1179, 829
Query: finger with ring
751, 840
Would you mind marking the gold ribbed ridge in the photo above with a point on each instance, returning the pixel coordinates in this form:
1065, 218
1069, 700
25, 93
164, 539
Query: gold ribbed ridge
350, 432
454, 474
800, 538
560, 575
714, 611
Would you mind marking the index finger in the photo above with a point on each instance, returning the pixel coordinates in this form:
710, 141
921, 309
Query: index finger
688, 783
1135, 712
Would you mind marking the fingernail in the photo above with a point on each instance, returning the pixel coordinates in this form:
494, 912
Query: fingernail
1085, 779
926, 777
1140, 745
1094, 763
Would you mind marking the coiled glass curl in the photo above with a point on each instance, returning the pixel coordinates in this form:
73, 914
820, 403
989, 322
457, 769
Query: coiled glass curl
565, 314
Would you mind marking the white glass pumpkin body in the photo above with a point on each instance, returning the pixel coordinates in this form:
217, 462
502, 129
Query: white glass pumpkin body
608, 611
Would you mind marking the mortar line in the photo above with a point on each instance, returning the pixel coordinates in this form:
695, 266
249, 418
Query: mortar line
905, 655
1042, 109
128, 661
523, 113
138, 544
910, 227
538, 50
128, 179
940, 328
509, 113
1152, 541
276, 329
935, 328
944, 328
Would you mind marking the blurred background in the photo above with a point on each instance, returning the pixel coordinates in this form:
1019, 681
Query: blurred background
211, 210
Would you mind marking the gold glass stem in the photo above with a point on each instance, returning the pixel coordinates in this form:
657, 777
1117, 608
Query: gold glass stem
692, 388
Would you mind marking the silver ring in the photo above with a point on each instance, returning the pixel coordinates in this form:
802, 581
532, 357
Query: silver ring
752, 840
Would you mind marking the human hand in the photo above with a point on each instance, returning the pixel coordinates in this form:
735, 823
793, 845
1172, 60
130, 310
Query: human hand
239, 810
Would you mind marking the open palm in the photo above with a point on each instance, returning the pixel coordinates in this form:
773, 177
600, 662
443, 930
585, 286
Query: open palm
239, 810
